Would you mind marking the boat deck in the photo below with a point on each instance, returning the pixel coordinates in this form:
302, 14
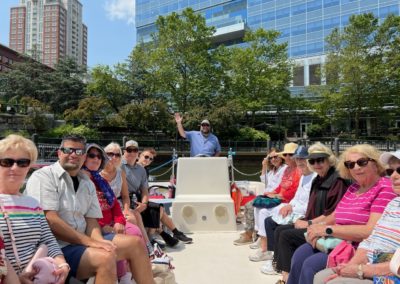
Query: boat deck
214, 259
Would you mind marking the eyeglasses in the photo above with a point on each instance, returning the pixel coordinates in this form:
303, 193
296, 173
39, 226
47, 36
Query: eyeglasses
132, 150
68, 151
93, 155
8, 162
362, 162
287, 154
116, 155
149, 158
317, 160
273, 157
389, 172
205, 125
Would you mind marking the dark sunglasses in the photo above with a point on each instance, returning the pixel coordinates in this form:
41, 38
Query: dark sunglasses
148, 158
132, 150
93, 155
8, 162
362, 162
285, 155
273, 157
389, 172
317, 160
111, 154
205, 125
68, 151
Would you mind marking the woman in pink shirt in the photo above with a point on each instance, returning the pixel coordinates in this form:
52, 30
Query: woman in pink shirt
354, 217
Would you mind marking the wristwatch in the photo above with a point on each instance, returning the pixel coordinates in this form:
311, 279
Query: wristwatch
309, 222
328, 231
360, 272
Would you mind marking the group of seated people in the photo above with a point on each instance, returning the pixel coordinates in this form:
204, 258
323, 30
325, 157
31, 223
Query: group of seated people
91, 209
352, 201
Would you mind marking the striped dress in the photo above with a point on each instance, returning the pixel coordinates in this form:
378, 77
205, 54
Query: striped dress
29, 227
385, 237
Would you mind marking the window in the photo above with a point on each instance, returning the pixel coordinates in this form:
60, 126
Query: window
314, 26
330, 3
314, 5
314, 73
298, 76
282, 13
298, 30
299, 9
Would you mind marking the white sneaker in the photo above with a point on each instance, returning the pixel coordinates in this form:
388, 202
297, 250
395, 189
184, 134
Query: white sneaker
260, 256
267, 268
256, 244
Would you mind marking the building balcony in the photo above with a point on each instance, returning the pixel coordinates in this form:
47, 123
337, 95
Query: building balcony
229, 33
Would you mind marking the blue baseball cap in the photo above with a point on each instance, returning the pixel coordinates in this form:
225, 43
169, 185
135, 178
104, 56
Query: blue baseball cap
301, 152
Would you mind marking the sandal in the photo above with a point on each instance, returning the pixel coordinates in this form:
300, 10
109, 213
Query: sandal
280, 282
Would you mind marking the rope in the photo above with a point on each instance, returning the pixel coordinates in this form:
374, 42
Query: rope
244, 174
160, 166
162, 173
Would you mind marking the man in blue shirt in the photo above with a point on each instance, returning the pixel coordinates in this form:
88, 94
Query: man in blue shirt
203, 142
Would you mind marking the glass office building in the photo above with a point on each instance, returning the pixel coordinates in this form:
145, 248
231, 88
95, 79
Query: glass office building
304, 24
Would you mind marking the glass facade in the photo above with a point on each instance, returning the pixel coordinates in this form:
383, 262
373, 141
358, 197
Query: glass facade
304, 24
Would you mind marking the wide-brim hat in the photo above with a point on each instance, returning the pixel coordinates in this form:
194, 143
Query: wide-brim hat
104, 159
289, 148
385, 156
301, 152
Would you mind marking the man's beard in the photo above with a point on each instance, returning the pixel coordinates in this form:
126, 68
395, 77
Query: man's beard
70, 167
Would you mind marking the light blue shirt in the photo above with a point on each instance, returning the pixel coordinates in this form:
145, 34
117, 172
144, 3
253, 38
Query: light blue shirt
200, 145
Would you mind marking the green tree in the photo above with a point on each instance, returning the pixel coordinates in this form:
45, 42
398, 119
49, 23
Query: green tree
92, 111
107, 84
260, 73
179, 61
359, 69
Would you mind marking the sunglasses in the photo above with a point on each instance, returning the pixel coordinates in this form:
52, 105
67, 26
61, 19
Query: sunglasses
132, 150
362, 162
285, 155
148, 158
8, 163
273, 157
111, 154
93, 155
389, 172
68, 151
205, 125
317, 160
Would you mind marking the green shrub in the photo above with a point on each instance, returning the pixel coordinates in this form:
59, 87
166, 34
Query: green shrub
251, 134
65, 129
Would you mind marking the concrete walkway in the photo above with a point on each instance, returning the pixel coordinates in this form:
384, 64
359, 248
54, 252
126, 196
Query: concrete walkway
214, 259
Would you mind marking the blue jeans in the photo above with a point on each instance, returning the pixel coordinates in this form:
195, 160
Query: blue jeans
306, 262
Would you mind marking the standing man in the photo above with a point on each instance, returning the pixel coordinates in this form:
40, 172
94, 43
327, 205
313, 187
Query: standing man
69, 200
203, 142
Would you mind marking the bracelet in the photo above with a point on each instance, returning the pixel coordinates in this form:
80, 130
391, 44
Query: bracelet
145, 202
309, 222
64, 265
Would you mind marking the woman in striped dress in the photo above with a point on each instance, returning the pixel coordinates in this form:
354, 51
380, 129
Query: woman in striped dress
22, 220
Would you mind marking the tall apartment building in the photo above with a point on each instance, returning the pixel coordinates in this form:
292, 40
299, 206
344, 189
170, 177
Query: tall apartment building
49, 30
303, 24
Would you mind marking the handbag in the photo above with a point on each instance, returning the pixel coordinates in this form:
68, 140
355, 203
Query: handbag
342, 253
379, 257
262, 201
45, 266
289, 219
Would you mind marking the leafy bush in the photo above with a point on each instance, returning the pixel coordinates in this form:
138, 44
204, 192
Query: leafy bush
65, 129
315, 130
276, 133
251, 134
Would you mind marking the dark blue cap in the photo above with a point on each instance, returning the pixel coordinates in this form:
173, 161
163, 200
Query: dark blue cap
301, 152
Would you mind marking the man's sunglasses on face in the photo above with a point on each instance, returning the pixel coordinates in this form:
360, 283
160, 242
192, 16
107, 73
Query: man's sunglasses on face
132, 150
68, 151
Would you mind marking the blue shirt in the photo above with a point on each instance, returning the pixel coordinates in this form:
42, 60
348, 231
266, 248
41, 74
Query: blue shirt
200, 145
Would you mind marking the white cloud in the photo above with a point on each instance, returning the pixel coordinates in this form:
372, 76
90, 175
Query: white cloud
121, 10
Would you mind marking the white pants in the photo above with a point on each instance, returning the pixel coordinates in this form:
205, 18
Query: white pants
260, 214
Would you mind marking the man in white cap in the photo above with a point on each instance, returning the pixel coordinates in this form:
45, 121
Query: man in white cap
203, 142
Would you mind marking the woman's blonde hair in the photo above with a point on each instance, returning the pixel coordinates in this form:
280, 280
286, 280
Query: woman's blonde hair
114, 146
321, 148
14, 142
366, 150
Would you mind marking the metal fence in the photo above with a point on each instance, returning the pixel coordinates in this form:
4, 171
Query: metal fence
47, 147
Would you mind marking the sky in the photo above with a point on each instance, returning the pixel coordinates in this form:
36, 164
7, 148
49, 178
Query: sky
111, 29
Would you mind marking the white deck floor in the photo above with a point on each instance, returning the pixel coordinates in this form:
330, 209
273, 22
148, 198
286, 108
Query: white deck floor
214, 259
